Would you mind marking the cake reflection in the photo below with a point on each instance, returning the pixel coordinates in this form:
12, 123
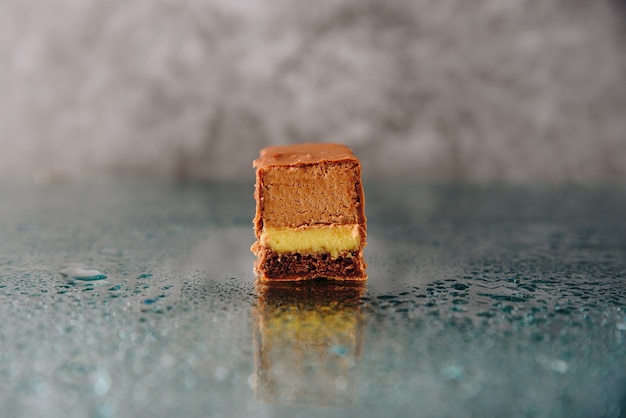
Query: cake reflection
308, 341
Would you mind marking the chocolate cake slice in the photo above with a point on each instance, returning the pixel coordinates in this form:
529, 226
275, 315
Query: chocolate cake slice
310, 220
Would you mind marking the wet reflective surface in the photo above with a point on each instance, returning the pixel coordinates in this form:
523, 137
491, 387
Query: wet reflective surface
138, 298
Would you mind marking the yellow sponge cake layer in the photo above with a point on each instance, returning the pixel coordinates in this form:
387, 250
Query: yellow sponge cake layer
332, 239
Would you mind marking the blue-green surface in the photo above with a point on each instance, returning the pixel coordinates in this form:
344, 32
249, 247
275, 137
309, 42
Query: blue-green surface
138, 299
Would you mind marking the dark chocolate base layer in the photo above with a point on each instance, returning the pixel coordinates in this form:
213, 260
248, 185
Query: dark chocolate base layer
296, 266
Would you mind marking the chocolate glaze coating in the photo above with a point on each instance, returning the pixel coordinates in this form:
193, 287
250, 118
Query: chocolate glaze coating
299, 154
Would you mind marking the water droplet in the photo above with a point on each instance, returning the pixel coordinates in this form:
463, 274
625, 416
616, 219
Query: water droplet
460, 286
78, 272
559, 366
145, 276
252, 381
39, 386
341, 383
453, 372
167, 360
338, 350
506, 298
221, 373
563, 310
102, 383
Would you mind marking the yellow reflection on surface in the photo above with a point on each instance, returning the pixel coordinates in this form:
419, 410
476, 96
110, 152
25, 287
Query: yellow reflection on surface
308, 342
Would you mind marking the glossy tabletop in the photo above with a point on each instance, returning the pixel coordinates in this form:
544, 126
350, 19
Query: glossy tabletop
137, 298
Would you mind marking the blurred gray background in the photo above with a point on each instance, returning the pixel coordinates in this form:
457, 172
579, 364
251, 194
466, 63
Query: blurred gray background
483, 89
